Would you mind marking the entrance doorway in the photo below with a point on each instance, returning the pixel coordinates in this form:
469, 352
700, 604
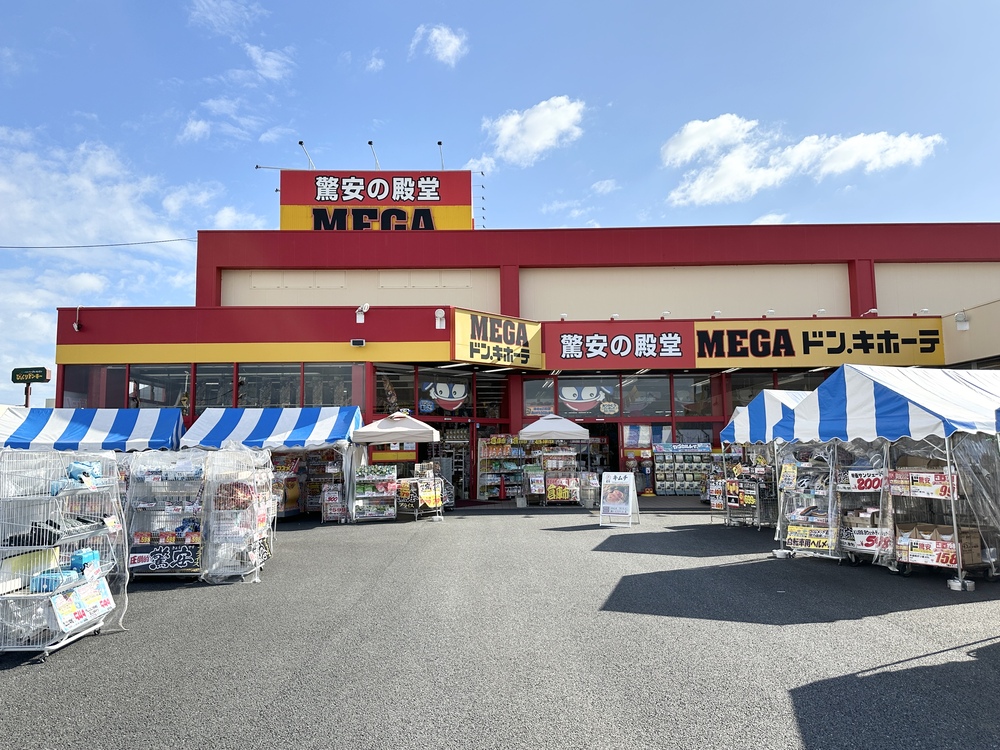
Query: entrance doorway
604, 455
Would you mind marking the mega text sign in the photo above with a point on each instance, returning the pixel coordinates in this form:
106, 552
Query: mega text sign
486, 338
376, 200
816, 342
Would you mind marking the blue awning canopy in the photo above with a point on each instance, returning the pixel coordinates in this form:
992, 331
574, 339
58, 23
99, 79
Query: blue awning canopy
755, 422
275, 428
862, 402
91, 429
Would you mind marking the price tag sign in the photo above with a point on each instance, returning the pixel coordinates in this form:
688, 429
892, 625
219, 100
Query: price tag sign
865, 481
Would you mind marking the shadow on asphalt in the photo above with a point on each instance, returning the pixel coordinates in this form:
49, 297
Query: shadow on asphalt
942, 705
795, 591
702, 540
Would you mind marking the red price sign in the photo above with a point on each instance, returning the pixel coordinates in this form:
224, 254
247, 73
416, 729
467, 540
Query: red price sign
865, 481
946, 559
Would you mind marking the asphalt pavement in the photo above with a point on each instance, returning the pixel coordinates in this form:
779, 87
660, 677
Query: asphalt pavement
504, 627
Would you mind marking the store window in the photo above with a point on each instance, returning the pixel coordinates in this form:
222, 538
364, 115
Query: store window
539, 397
445, 393
93, 386
329, 384
583, 395
158, 386
266, 385
801, 381
491, 396
693, 396
743, 386
646, 395
694, 432
394, 389
213, 386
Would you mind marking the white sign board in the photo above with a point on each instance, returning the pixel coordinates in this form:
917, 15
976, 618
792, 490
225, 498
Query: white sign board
619, 502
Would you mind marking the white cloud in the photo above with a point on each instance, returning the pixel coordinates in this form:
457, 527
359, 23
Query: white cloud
770, 219
195, 130
560, 206
522, 138
485, 164
275, 134
181, 199
230, 218
225, 17
735, 158
603, 187
443, 44
224, 105
9, 64
271, 65
375, 63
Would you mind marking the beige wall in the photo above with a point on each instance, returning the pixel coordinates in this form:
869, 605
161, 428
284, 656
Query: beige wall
687, 292
980, 341
475, 288
943, 288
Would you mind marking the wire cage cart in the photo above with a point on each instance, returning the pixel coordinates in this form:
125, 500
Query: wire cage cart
239, 515
164, 510
751, 487
62, 548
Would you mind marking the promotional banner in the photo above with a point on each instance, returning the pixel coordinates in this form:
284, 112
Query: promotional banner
380, 200
485, 338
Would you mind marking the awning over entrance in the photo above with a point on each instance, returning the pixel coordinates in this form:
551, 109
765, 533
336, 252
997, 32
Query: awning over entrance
91, 429
275, 428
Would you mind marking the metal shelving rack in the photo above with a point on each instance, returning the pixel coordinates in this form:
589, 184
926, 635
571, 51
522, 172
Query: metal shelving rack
62, 547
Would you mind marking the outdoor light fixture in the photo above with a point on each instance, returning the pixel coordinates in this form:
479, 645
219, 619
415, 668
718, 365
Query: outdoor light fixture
716, 313
563, 316
962, 320
819, 312
439, 321
767, 312
921, 311
664, 314
873, 311
359, 314
614, 316
77, 326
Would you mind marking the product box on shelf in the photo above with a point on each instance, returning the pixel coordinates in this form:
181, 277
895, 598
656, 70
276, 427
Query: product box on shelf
929, 544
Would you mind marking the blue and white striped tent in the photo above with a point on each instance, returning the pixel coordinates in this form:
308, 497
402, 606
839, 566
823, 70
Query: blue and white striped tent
754, 423
867, 402
91, 429
274, 427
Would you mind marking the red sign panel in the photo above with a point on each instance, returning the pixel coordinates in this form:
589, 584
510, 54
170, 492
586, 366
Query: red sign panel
613, 345
382, 188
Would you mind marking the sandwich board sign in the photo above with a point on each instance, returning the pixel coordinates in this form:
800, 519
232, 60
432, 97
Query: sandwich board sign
619, 503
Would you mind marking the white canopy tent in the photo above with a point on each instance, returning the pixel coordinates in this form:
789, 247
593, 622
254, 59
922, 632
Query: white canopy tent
554, 427
396, 428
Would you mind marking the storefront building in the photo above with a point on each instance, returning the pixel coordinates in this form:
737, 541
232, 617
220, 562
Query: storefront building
377, 292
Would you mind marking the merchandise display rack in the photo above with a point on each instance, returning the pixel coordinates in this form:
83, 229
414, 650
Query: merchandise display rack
164, 511
375, 492
501, 467
62, 547
239, 515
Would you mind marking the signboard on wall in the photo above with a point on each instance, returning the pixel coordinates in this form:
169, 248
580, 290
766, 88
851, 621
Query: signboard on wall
715, 344
485, 338
818, 342
613, 345
381, 200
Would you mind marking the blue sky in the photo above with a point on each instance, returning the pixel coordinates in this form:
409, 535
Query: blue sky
132, 125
